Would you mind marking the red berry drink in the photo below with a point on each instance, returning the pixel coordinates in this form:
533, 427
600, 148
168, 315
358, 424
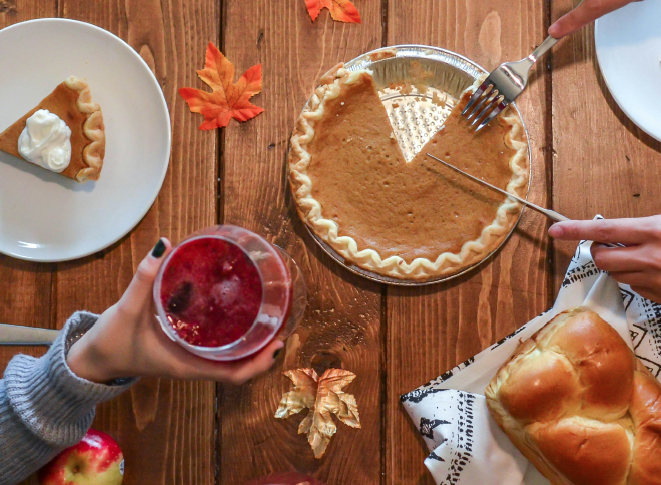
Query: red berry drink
225, 293
211, 292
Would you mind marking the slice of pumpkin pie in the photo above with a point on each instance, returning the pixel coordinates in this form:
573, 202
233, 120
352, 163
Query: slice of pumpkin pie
64, 133
409, 220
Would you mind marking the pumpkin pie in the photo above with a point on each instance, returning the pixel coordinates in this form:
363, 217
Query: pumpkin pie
71, 101
408, 220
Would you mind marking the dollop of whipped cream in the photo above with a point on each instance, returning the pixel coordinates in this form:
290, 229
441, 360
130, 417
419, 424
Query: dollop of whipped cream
46, 141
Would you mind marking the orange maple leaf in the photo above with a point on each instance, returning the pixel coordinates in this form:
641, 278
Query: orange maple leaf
227, 100
342, 10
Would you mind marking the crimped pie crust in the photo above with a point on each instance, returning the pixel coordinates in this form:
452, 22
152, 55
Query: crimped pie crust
93, 129
447, 263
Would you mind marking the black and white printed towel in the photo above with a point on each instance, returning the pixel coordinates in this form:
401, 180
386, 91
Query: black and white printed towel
460, 433
638, 321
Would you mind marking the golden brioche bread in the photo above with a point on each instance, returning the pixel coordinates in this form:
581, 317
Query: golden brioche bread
579, 405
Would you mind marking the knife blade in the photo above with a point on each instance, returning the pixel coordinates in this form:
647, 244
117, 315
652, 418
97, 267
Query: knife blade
551, 214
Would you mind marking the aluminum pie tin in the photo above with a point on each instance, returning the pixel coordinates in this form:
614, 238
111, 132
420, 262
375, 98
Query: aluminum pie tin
416, 118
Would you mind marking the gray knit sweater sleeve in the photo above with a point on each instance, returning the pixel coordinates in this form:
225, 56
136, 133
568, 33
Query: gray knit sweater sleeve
44, 407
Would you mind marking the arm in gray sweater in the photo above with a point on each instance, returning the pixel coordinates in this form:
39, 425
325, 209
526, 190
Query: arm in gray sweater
44, 407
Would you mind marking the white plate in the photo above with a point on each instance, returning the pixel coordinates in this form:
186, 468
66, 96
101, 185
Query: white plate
44, 216
628, 43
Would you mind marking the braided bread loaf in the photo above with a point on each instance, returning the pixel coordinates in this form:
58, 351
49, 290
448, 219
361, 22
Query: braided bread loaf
579, 405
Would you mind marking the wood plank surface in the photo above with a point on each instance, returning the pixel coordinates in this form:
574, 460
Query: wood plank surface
587, 158
341, 327
165, 428
432, 329
603, 163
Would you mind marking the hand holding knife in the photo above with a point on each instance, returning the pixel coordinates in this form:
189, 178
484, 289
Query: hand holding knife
551, 214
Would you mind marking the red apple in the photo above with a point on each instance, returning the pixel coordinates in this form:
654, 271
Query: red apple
96, 460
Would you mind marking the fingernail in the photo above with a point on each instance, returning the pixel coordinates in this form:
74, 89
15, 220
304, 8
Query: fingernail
276, 353
159, 249
555, 230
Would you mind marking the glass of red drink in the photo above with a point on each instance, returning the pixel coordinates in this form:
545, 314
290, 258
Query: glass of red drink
224, 293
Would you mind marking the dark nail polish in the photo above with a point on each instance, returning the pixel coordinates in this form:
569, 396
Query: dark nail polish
276, 353
159, 249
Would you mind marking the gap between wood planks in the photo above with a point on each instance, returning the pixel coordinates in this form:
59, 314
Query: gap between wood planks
220, 217
220, 180
383, 328
548, 158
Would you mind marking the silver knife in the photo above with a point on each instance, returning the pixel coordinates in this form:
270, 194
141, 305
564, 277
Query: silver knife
17, 335
551, 214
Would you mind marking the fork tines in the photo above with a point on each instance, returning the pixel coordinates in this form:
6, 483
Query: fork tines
489, 104
503, 85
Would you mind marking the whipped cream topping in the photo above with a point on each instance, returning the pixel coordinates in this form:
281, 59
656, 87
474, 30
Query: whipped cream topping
46, 141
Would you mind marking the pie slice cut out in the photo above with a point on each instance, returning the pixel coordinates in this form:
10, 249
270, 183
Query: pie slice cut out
72, 102
415, 220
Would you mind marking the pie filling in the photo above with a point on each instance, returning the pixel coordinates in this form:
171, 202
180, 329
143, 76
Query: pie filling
408, 220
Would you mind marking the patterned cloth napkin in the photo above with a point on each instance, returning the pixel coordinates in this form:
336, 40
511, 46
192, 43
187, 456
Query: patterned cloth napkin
463, 433
457, 449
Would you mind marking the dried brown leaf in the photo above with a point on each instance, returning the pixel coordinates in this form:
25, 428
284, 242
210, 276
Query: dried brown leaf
303, 394
323, 397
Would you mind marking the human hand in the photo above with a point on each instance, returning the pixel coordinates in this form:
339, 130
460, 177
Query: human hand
583, 14
638, 264
127, 341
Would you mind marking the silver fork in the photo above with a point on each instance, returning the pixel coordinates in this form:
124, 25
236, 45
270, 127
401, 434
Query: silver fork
503, 86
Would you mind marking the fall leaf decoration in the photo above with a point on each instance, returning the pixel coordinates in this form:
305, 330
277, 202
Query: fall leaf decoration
227, 100
323, 396
342, 10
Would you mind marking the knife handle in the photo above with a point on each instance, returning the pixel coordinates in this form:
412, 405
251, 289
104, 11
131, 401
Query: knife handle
17, 335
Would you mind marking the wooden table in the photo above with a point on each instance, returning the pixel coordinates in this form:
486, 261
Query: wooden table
588, 158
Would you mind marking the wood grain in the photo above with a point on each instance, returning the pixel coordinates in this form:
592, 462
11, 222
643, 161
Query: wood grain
394, 339
603, 164
432, 329
165, 428
341, 327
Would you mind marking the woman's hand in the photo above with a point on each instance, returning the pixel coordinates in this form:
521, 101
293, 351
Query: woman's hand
127, 341
638, 264
586, 12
